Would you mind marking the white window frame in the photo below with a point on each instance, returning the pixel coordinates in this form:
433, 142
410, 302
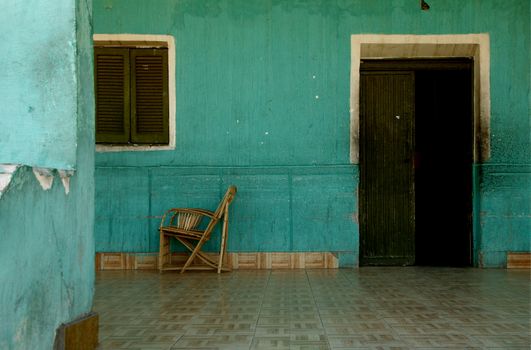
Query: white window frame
136, 40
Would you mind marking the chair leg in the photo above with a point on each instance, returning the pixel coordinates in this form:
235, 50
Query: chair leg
224, 237
194, 253
164, 251
199, 254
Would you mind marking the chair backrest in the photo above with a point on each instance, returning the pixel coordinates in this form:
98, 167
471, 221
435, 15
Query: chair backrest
227, 199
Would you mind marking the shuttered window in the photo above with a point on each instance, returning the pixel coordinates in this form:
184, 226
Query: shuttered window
131, 86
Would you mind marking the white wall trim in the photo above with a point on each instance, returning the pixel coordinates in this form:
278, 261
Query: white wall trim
426, 46
170, 41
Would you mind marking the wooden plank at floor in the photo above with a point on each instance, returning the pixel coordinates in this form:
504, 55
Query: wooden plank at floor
519, 260
80, 334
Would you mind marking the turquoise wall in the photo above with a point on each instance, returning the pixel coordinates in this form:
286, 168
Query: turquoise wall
47, 242
280, 209
38, 61
504, 213
263, 102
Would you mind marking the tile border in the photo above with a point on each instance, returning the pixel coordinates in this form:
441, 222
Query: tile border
236, 261
519, 260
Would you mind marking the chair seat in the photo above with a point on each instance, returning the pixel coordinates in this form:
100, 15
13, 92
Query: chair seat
176, 231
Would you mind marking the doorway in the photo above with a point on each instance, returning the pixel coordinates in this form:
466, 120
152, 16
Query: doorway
416, 153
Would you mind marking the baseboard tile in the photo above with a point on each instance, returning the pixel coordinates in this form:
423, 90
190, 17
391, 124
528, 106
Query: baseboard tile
236, 261
519, 260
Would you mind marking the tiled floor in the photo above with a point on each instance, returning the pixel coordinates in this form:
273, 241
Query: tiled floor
367, 308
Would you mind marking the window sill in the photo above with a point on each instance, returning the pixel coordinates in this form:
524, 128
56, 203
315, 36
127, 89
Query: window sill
133, 148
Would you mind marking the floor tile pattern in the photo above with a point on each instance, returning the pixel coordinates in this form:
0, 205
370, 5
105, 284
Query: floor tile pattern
366, 308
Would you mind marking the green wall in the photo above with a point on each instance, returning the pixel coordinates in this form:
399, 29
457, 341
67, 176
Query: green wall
47, 242
38, 61
263, 102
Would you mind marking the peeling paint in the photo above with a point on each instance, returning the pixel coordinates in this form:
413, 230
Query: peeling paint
6, 174
5, 179
65, 179
8, 168
44, 176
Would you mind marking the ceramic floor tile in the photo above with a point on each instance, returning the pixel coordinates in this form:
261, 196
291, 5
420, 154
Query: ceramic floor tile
366, 308
272, 321
170, 327
271, 312
303, 308
226, 319
505, 340
295, 345
202, 330
218, 341
305, 316
441, 340
308, 337
306, 326
426, 328
372, 340
272, 331
359, 328
271, 343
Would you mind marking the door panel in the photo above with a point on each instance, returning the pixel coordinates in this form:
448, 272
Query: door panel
387, 227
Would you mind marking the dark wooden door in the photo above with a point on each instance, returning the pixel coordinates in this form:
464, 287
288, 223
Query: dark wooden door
387, 198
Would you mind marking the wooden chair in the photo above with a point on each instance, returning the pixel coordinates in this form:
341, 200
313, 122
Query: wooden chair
192, 227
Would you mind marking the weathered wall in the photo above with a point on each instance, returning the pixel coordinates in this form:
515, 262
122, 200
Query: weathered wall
277, 209
263, 102
38, 61
47, 249
504, 212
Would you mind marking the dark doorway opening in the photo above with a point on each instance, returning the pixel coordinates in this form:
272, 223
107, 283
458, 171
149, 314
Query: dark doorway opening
443, 167
416, 193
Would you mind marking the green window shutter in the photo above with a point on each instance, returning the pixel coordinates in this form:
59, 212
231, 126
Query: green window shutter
111, 81
149, 96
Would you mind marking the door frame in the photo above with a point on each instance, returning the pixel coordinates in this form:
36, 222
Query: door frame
475, 46
383, 46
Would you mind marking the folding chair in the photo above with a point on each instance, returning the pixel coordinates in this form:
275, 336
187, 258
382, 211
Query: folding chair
193, 227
